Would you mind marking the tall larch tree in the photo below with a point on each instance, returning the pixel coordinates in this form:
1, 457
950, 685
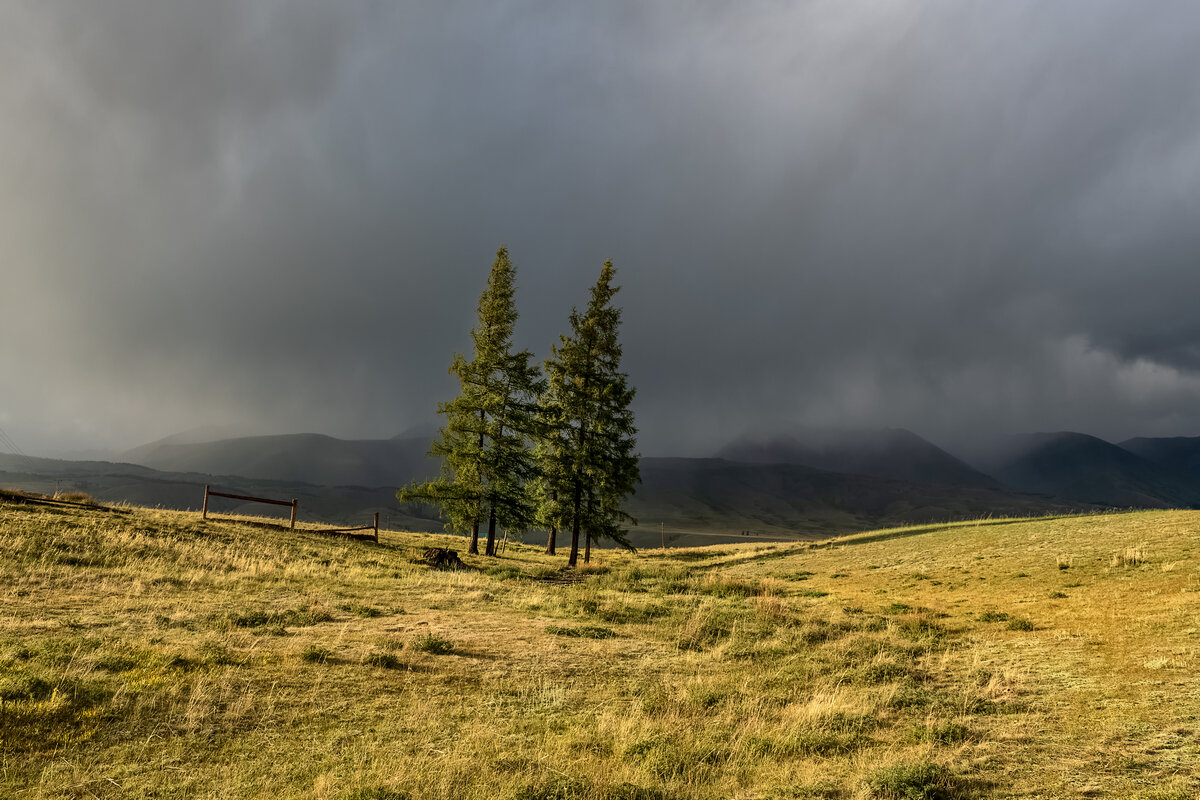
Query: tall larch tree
485, 443
587, 453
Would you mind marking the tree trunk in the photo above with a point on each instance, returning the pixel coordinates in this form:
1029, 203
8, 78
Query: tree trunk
553, 539
587, 543
491, 540
474, 548
574, 559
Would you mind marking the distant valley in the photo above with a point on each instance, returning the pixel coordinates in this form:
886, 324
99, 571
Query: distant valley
809, 485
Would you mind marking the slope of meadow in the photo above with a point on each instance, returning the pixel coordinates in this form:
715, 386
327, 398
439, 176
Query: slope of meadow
148, 654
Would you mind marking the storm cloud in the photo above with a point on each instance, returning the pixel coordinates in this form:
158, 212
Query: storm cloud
959, 218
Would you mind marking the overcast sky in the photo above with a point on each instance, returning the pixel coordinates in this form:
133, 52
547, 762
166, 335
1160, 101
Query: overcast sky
277, 217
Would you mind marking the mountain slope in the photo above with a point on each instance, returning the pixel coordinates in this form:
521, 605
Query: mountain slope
305, 457
1179, 453
887, 453
1082, 468
691, 494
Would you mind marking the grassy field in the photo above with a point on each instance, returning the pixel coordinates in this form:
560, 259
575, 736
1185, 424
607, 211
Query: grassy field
150, 654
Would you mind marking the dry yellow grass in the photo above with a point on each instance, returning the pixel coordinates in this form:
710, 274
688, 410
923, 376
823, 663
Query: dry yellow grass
149, 654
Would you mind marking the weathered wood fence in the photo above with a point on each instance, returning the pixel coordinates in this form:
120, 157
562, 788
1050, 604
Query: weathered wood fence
210, 493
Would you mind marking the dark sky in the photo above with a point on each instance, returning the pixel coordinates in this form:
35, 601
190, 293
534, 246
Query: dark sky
956, 217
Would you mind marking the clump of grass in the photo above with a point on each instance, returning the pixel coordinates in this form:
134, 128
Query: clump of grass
433, 644
76, 496
921, 781
362, 610
276, 621
1065, 562
23, 687
504, 572
1057, 595
701, 630
719, 586
115, 663
993, 616
811, 593
217, 655
378, 793
1129, 557
882, 672
621, 611
921, 628
668, 757
315, 655
943, 733
382, 660
1018, 624
581, 631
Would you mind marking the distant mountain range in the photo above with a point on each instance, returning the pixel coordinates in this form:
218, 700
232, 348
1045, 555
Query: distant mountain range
801, 484
301, 457
1078, 467
887, 453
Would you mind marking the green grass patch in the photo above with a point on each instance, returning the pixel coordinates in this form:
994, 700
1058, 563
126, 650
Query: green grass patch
581, 631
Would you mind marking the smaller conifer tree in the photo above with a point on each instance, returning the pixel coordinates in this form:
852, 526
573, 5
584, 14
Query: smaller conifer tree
586, 454
485, 443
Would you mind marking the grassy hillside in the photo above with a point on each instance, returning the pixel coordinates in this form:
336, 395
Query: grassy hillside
149, 654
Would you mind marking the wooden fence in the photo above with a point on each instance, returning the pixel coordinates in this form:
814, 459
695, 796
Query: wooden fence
210, 493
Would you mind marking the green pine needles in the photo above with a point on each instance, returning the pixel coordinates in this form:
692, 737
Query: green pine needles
586, 453
520, 451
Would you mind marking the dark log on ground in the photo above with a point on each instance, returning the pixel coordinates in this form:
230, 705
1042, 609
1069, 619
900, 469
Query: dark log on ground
443, 558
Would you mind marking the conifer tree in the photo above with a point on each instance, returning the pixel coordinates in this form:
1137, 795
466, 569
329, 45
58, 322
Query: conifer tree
587, 450
485, 443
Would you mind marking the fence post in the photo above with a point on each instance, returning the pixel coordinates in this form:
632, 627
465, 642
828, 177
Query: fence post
293, 513
376, 527
204, 513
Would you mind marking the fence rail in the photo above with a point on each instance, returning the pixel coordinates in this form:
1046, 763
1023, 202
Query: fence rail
374, 527
208, 492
